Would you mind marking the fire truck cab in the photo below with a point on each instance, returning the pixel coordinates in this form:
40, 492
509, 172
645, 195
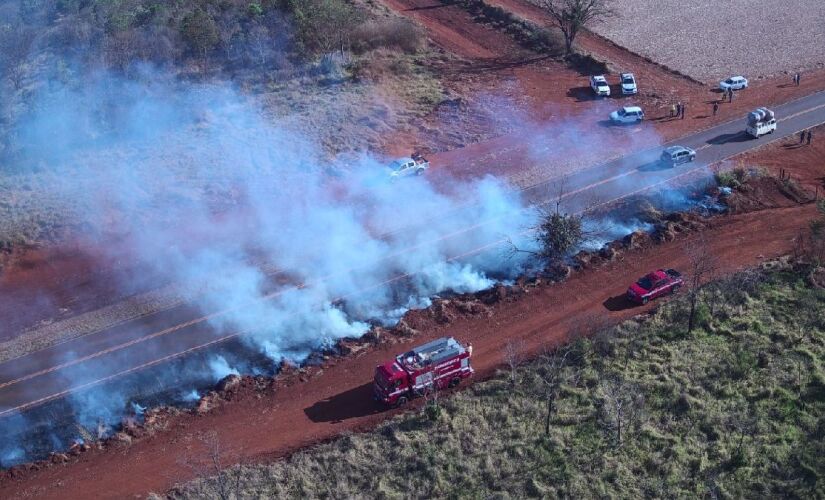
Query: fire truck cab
435, 365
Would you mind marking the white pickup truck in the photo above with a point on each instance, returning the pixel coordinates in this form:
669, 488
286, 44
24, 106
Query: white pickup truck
599, 85
761, 121
413, 165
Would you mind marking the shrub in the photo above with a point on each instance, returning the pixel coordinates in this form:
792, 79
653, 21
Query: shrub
255, 10
399, 34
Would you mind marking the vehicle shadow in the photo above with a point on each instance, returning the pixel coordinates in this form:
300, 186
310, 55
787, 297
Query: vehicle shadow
607, 123
353, 403
654, 166
618, 303
726, 138
585, 94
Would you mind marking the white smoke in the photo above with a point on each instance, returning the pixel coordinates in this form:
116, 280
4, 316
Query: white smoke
220, 368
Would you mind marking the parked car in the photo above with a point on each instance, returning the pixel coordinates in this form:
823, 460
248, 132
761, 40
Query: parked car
734, 83
676, 155
655, 284
627, 114
628, 83
599, 85
402, 167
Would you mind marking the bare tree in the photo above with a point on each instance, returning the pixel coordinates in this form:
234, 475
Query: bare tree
15, 47
514, 356
210, 465
570, 16
702, 267
740, 424
554, 377
621, 406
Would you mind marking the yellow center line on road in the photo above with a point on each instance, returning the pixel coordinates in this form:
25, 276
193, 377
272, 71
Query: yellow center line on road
474, 251
323, 279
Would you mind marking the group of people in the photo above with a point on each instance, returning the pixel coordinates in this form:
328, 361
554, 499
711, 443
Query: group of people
677, 110
805, 136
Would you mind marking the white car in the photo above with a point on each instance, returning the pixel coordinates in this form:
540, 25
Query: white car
403, 167
627, 114
599, 85
628, 83
734, 83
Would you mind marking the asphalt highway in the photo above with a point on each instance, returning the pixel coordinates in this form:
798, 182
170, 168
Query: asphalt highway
98, 357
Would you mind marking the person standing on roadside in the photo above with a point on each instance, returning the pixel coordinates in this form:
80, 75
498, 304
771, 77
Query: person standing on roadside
798, 78
672, 110
683, 111
801, 137
810, 134
715, 107
730, 96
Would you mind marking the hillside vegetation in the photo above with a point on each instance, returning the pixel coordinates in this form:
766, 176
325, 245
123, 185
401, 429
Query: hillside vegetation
735, 409
347, 74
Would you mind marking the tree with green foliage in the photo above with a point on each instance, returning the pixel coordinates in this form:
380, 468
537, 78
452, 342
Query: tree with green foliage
200, 31
571, 16
324, 26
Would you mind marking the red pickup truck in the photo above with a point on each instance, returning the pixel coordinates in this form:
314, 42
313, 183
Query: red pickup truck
655, 284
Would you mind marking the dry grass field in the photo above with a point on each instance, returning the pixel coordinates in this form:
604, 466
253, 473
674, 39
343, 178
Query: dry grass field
710, 40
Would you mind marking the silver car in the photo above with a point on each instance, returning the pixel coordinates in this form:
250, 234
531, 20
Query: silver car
676, 155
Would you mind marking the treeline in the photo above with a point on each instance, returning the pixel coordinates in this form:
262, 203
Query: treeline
227, 34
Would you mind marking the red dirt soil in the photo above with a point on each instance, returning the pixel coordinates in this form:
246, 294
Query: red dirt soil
65, 281
255, 427
804, 163
338, 399
47, 283
527, 93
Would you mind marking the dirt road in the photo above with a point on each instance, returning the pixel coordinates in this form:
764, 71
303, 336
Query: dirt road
339, 398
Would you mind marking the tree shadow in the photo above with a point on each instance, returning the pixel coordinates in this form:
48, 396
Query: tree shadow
426, 7
618, 303
583, 94
727, 138
354, 403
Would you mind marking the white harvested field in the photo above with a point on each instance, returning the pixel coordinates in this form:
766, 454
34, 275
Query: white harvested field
713, 39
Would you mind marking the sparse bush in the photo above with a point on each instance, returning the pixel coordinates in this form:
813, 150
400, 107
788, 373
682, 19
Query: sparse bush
558, 234
398, 34
255, 9
731, 178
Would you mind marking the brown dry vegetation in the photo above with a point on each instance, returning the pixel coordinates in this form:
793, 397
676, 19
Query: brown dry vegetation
646, 409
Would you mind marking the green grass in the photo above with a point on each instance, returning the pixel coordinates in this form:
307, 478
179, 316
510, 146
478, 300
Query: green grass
736, 409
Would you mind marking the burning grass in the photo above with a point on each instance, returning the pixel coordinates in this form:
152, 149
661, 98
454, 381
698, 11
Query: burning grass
734, 409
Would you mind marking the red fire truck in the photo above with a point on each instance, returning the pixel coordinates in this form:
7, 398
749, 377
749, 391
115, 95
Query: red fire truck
435, 365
